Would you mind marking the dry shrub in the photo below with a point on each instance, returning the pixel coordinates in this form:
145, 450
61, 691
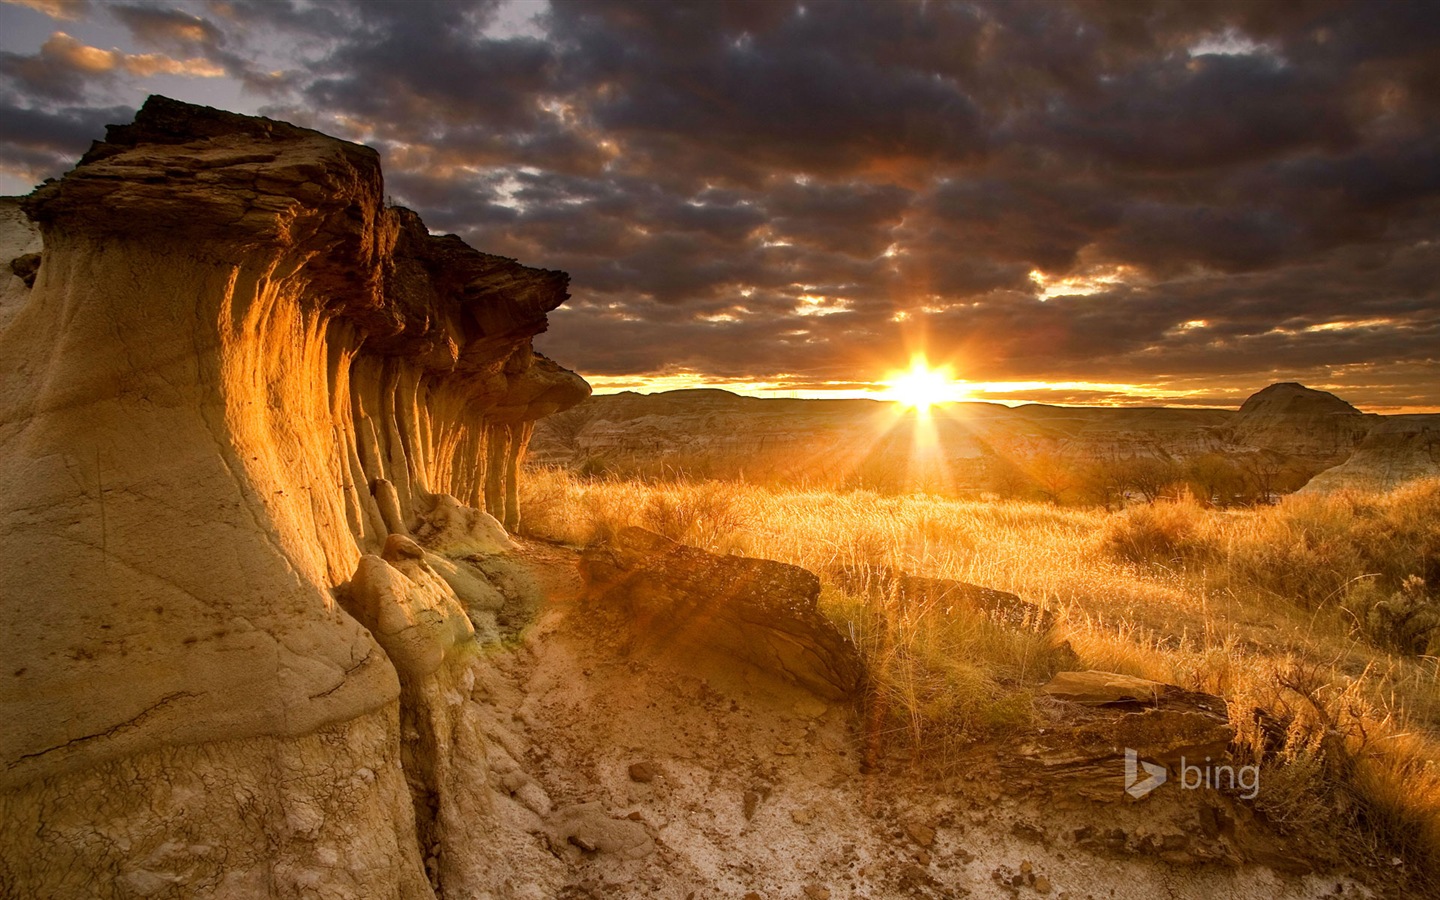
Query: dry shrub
1164, 532
702, 515
1314, 551
943, 677
1336, 765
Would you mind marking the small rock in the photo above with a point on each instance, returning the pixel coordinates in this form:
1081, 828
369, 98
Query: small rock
398, 547
923, 858
588, 827
801, 816
816, 892
751, 803
751, 895
1041, 885
810, 707
642, 772
1026, 867
923, 835
1094, 688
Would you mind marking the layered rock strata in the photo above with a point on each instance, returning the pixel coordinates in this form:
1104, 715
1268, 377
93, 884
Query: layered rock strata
756, 610
1399, 449
1292, 419
249, 420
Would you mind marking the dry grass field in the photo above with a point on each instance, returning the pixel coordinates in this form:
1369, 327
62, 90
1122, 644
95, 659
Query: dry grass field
1317, 619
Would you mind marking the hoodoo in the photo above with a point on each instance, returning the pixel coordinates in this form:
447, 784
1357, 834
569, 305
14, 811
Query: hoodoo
242, 404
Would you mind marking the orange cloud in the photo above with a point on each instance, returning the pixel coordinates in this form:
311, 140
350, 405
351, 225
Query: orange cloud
63, 48
68, 10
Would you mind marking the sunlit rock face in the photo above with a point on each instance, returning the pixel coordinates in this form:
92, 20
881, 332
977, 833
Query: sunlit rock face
1399, 449
1295, 420
235, 374
758, 611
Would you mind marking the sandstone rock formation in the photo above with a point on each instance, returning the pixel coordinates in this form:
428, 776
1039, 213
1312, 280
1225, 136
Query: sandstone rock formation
1092, 688
756, 610
1299, 421
19, 258
1103, 714
1398, 449
236, 377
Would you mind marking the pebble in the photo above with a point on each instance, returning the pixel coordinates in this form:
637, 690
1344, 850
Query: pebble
642, 772
751, 803
923, 835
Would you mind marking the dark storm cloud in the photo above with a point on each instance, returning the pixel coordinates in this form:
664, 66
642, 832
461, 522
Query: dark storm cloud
42, 143
186, 34
423, 66
168, 28
1234, 191
1210, 110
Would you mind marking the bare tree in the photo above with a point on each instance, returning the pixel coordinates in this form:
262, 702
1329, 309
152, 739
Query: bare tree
1263, 470
1053, 476
1214, 477
1149, 477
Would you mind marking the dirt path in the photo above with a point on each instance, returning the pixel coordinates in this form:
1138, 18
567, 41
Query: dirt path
656, 774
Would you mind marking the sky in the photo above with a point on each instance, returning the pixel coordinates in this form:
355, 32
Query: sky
1067, 202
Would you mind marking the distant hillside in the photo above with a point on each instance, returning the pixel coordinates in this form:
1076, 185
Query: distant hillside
1275, 442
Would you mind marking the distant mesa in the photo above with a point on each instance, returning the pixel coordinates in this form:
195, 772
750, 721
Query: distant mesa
1295, 420
1289, 398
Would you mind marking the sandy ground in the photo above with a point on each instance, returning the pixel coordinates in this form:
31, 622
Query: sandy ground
695, 777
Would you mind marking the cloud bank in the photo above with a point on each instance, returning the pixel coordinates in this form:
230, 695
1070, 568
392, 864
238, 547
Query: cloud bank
1193, 199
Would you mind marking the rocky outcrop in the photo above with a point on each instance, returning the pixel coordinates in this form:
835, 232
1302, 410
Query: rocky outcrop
1101, 715
236, 375
1092, 688
1295, 420
1398, 449
756, 610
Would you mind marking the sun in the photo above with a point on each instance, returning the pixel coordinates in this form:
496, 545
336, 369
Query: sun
922, 386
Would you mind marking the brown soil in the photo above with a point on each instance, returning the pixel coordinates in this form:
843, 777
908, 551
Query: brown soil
752, 787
